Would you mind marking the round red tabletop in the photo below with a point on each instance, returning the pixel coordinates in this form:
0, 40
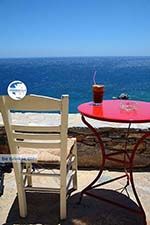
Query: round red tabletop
124, 111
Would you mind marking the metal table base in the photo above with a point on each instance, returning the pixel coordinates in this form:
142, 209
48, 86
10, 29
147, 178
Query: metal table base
127, 163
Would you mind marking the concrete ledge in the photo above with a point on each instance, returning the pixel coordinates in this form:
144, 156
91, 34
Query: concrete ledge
74, 120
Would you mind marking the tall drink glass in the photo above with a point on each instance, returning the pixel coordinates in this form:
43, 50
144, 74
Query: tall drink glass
98, 92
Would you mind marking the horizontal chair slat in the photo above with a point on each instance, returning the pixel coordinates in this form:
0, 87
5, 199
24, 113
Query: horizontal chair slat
31, 103
37, 144
40, 189
36, 128
41, 174
35, 136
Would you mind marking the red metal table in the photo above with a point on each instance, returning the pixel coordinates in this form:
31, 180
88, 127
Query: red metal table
121, 111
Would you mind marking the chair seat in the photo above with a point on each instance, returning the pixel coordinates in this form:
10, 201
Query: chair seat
50, 155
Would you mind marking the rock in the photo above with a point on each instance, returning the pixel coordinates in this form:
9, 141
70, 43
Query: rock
89, 153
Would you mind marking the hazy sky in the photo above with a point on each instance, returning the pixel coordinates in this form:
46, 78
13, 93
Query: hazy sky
31, 28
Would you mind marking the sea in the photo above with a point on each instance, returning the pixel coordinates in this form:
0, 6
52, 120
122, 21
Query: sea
55, 76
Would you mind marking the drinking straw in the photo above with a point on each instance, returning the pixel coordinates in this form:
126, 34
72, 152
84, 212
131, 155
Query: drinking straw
94, 75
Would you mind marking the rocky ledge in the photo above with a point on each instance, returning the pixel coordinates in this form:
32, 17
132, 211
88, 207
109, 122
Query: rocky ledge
89, 152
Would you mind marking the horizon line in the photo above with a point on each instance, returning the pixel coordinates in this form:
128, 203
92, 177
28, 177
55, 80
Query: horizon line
27, 57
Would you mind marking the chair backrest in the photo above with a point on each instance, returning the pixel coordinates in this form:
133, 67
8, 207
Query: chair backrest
37, 135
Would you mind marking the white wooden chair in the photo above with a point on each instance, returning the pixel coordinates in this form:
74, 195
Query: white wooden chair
50, 144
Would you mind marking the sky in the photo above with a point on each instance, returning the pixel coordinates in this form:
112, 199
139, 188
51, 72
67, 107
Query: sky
49, 28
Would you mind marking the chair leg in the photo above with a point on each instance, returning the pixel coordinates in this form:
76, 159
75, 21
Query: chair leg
63, 190
20, 189
29, 178
63, 204
74, 167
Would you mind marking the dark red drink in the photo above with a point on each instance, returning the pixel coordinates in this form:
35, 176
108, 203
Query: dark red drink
98, 92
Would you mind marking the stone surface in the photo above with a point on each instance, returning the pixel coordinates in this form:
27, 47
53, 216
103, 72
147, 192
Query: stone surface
43, 208
114, 139
89, 154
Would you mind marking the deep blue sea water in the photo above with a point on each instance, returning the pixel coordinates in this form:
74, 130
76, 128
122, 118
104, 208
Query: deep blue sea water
74, 76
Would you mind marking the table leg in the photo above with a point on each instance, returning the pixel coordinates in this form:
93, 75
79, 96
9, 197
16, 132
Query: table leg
90, 186
128, 168
131, 172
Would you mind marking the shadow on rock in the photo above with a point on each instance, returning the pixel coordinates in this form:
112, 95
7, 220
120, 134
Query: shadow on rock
92, 211
44, 209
